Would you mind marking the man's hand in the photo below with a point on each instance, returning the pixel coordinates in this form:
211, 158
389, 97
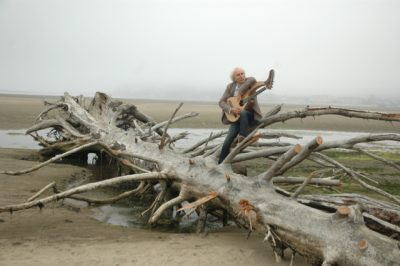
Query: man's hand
235, 110
251, 104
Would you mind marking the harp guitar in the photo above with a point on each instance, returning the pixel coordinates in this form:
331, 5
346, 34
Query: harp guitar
250, 94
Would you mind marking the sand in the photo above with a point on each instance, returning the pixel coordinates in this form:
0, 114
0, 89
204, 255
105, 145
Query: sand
61, 235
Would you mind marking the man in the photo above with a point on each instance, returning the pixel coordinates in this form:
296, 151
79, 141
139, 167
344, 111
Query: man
250, 114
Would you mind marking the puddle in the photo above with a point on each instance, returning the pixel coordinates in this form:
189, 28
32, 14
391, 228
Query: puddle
130, 216
119, 215
17, 139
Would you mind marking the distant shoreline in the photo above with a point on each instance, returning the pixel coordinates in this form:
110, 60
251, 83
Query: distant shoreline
118, 98
20, 111
385, 104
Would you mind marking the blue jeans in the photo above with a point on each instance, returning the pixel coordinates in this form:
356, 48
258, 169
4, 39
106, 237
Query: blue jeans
239, 127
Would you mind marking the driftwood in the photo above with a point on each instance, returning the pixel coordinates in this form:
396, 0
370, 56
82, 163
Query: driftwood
327, 229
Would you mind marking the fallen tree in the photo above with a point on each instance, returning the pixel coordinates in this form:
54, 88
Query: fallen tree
341, 229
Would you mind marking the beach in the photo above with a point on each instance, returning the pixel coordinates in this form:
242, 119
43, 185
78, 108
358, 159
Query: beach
63, 234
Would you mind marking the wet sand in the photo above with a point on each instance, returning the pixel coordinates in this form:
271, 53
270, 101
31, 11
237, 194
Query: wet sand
61, 235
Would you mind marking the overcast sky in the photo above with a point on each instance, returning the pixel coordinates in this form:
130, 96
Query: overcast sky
185, 49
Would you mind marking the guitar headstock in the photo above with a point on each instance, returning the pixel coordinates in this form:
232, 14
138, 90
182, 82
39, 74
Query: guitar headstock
270, 81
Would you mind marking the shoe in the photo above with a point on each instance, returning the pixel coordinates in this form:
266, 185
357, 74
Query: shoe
240, 138
270, 81
255, 138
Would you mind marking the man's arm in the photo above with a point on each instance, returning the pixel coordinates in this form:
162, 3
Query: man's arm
222, 102
246, 85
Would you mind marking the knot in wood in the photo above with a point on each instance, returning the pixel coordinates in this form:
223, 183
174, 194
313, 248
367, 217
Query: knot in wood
362, 244
246, 206
343, 211
227, 178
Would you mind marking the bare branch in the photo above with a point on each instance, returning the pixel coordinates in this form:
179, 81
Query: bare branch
260, 153
88, 187
355, 178
316, 158
117, 153
213, 151
299, 180
140, 189
270, 144
306, 181
40, 192
275, 135
329, 111
379, 158
382, 222
276, 167
273, 111
133, 166
349, 143
240, 146
203, 150
47, 110
177, 137
201, 142
162, 141
55, 158
175, 201
173, 120
305, 152
138, 127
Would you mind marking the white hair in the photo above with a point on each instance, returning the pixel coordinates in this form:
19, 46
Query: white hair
232, 75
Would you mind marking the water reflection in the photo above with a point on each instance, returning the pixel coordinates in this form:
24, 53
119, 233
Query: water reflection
16, 138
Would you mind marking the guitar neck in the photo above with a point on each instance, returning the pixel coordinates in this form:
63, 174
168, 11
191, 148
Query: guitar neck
253, 95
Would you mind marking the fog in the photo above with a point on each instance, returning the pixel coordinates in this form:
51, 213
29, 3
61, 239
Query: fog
181, 49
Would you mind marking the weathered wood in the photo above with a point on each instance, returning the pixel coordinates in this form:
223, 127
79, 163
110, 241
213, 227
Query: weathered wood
379, 158
140, 188
354, 177
88, 187
162, 141
55, 158
312, 181
40, 192
276, 167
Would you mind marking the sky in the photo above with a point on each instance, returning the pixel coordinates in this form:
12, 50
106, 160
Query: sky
185, 50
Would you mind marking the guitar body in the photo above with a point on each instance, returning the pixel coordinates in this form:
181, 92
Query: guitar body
233, 102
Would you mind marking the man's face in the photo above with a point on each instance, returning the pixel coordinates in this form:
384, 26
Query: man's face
239, 76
